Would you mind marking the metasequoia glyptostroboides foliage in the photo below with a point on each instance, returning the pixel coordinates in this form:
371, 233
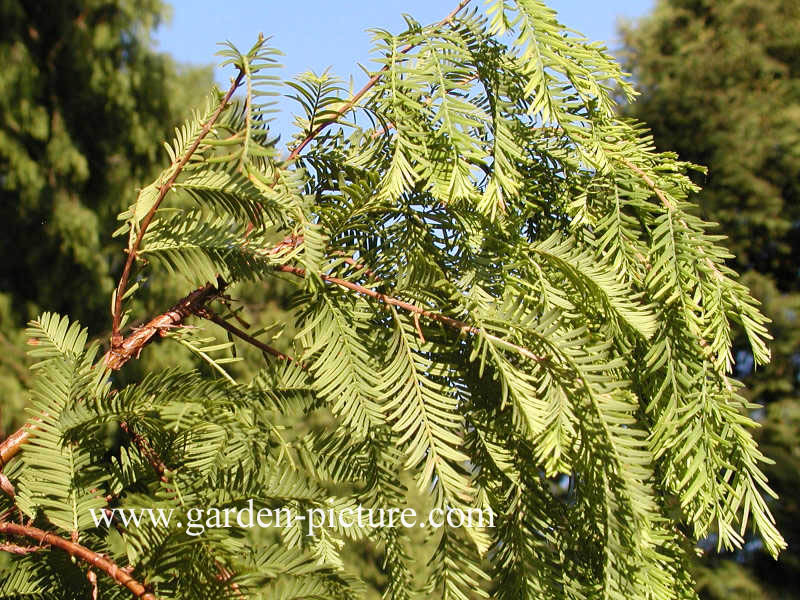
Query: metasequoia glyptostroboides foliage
501, 295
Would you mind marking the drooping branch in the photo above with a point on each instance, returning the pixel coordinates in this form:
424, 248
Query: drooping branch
102, 563
347, 106
670, 206
196, 304
116, 337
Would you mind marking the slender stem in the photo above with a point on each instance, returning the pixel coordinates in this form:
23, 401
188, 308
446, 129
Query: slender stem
362, 92
650, 183
116, 337
76, 550
20, 550
7, 487
214, 318
357, 265
418, 310
92, 577
144, 447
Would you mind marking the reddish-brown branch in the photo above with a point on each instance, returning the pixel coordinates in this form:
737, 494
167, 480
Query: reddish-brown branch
7, 487
20, 550
196, 303
11, 445
132, 345
129, 348
116, 337
76, 550
92, 577
362, 92
357, 265
414, 309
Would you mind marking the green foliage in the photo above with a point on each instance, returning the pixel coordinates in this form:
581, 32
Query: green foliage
721, 86
500, 294
58, 477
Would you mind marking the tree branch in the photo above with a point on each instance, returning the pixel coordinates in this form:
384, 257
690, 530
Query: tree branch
195, 304
132, 346
147, 450
128, 348
76, 550
20, 550
417, 310
11, 445
144, 447
214, 318
7, 487
650, 183
362, 92
116, 337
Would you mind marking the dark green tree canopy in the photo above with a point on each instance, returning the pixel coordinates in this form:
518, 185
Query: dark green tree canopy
501, 295
721, 86
720, 83
84, 103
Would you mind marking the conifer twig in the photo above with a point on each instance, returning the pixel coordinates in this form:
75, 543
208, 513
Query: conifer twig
129, 348
144, 447
132, 345
209, 315
414, 309
76, 550
11, 445
7, 487
20, 550
650, 183
417, 311
116, 337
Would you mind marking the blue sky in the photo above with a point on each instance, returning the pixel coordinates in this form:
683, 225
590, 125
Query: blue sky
316, 34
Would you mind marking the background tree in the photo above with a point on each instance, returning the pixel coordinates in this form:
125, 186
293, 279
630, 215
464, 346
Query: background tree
721, 86
84, 104
500, 295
